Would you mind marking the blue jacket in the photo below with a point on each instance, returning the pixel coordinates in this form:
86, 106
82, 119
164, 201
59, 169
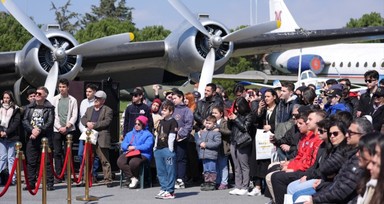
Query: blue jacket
333, 109
143, 141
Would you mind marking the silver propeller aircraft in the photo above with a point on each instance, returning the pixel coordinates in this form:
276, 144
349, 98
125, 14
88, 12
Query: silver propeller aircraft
198, 47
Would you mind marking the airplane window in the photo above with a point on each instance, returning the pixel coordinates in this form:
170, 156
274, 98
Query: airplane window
341, 64
374, 64
311, 75
349, 64
365, 64
382, 64
357, 64
333, 64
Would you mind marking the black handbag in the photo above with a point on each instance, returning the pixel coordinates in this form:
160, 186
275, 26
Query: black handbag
243, 140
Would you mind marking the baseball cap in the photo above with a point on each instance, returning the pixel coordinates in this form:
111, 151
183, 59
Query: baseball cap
137, 91
335, 92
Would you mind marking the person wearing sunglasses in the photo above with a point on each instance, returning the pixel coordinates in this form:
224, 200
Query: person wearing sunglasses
366, 100
136, 109
333, 106
378, 110
38, 123
343, 187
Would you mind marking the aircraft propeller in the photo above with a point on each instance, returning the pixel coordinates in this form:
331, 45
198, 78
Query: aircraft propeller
59, 53
215, 40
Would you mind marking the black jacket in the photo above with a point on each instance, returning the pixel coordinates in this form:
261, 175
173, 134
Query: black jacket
365, 103
48, 117
241, 125
378, 118
343, 187
204, 109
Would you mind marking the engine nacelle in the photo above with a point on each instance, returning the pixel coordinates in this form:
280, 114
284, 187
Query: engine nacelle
314, 63
35, 60
187, 48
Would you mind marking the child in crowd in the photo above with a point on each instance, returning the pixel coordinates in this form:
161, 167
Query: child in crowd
224, 148
165, 156
209, 142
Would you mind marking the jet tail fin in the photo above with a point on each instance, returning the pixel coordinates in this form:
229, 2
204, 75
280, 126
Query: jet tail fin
279, 11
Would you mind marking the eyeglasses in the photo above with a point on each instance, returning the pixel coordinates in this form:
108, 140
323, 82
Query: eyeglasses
335, 134
139, 124
369, 80
351, 133
38, 93
322, 131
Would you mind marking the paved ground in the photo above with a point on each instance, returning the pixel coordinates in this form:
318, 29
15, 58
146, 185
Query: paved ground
119, 195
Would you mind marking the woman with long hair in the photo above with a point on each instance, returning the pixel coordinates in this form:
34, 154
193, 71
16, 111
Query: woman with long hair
9, 124
240, 122
189, 100
377, 170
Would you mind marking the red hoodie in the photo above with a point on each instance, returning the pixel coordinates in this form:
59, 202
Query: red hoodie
306, 153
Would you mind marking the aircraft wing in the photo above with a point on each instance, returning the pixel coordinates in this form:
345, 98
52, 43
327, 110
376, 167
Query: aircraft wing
276, 42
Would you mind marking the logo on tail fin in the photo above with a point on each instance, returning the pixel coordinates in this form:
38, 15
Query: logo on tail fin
278, 15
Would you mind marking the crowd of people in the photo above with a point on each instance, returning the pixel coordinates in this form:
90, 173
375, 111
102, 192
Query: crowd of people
326, 147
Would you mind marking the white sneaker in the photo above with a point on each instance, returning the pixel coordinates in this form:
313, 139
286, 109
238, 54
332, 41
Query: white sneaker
242, 192
167, 195
160, 194
255, 192
179, 184
234, 191
134, 182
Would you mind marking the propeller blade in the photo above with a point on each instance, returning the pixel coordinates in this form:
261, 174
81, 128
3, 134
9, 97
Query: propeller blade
207, 71
190, 17
51, 81
101, 44
27, 23
16, 90
252, 31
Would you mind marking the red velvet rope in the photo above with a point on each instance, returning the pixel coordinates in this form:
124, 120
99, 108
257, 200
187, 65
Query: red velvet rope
64, 165
78, 179
42, 163
9, 178
90, 164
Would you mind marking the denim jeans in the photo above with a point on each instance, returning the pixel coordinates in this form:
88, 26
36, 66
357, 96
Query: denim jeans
222, 169
96, 159
296, 186
7, 155
166, 169
304, 192
209, 166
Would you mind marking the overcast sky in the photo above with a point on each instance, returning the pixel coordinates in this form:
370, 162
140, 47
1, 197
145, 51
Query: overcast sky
309, 14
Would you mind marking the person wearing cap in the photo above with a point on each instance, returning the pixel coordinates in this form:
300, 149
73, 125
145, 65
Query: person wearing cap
66, 113
333, 106
136, 109
349, 98
378, 110
90, 90
366, 100
139, 138
99, 117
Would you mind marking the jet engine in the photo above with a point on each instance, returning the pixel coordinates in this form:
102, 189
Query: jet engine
314, 63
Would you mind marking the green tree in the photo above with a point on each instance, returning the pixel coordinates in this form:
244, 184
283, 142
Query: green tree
64, 16
152, 33
104, 27
372, 19
108, 9
13, 36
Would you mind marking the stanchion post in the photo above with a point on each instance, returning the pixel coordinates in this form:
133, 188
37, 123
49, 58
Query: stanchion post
20, 157
44, 141
87, 197
69, 180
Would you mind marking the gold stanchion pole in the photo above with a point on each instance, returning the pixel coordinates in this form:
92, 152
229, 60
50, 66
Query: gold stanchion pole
20, 157
87, 197
44, 141
69, 180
